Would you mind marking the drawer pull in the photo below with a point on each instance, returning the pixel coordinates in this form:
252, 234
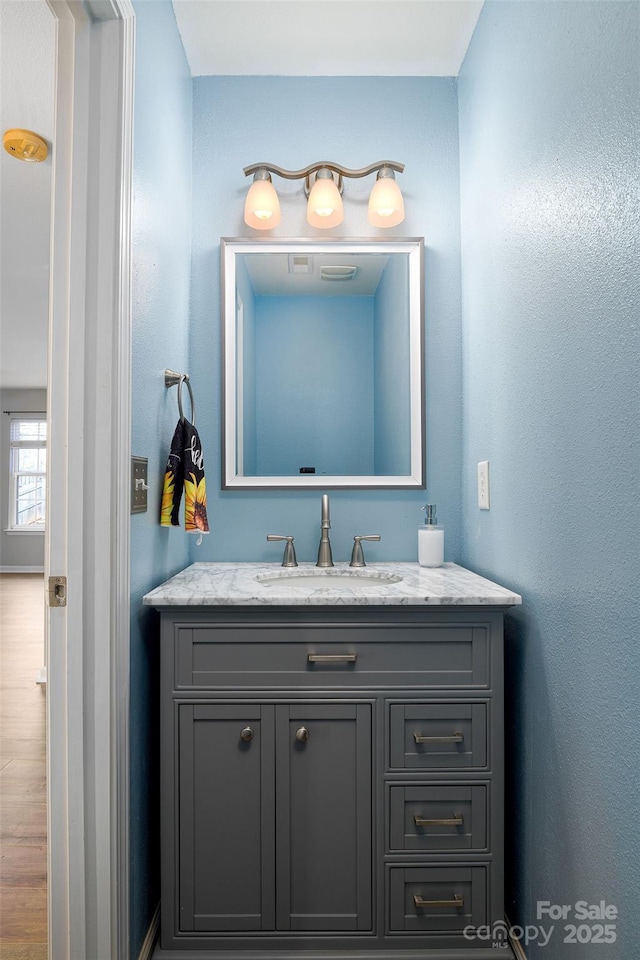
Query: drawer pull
454, 821
246, 735
302, 735
458, 901
452, 738
332, 657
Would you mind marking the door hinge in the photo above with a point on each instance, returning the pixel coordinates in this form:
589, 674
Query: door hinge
57, 591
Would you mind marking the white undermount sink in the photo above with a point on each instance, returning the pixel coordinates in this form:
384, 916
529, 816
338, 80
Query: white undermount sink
312, 579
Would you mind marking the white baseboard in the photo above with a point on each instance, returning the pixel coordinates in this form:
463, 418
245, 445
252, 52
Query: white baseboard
149, 941
21, 569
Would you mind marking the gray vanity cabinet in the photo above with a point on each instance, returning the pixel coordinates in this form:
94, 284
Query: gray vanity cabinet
331, 783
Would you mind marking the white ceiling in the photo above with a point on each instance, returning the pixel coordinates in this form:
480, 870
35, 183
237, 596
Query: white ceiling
327, 37
271, 275
27, 56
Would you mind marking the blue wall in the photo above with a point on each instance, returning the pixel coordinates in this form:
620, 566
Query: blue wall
548, 143
314, 385
293, 121
161, 226
542, 371
247, 337
392, 441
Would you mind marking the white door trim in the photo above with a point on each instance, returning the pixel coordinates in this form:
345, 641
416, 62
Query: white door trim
87, 536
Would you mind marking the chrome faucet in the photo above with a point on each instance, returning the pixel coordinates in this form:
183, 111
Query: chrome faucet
324, 550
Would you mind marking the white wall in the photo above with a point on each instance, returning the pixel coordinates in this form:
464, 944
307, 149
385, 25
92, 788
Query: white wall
25, 550
27, 57
27, 36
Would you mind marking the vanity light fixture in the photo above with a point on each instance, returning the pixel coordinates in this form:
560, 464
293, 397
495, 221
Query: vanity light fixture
324, 206
386, 206
262, 207
323, 186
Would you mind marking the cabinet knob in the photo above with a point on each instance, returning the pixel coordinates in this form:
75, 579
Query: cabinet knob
302, 735
246, 735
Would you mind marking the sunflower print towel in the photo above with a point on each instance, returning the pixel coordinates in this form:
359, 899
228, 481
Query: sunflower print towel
185, 468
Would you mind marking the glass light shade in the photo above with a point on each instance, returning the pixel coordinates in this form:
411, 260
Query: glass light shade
324, 208
262, 207
386, 206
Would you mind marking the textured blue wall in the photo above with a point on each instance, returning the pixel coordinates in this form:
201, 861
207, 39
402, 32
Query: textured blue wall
392, 442
314, 385
247, 349
161, 225
548, 100
293, 121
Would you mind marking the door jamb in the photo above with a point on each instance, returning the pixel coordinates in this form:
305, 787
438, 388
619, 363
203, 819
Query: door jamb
88, 505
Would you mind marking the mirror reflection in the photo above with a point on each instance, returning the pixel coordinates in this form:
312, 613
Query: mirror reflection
323, 372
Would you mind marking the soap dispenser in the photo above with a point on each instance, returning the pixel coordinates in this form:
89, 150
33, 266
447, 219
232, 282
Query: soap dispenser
430, 539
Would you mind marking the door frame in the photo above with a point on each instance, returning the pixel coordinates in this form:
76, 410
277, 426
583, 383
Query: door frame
88, 497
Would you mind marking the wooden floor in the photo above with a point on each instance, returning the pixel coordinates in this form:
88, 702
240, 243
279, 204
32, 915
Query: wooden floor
23, 809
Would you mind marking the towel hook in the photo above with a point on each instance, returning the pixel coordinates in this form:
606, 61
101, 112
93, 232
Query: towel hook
171, 378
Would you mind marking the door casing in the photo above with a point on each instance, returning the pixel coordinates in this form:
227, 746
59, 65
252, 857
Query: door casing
87, 538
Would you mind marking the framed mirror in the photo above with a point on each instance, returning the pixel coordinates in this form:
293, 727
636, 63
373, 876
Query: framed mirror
323, 364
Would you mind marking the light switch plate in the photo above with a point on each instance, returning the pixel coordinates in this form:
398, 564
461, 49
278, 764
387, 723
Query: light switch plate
483, 485
139, 487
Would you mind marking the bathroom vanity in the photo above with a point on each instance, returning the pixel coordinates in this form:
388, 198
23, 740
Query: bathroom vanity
332, 762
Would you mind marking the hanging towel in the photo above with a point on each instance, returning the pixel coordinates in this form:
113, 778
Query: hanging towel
185, 468
195, 486
173, 480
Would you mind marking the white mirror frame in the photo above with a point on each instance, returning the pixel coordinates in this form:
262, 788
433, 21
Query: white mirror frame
230, 248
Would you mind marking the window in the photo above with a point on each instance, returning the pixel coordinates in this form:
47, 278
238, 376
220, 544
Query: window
28, 465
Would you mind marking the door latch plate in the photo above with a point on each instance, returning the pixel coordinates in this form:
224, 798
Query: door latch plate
57, 591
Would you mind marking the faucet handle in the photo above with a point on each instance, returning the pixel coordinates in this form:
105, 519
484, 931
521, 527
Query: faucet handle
357, 554
289, 558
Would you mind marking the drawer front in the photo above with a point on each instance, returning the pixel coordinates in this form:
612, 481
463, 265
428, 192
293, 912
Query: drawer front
447, 819
437, 899
438, 736
294, 656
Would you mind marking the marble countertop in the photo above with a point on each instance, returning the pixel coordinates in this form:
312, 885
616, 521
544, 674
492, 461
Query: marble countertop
235, 584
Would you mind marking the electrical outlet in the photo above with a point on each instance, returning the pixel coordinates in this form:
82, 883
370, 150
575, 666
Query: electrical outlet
483, 485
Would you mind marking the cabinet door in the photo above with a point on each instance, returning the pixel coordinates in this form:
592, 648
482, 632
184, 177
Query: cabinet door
323, 825
225, 817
